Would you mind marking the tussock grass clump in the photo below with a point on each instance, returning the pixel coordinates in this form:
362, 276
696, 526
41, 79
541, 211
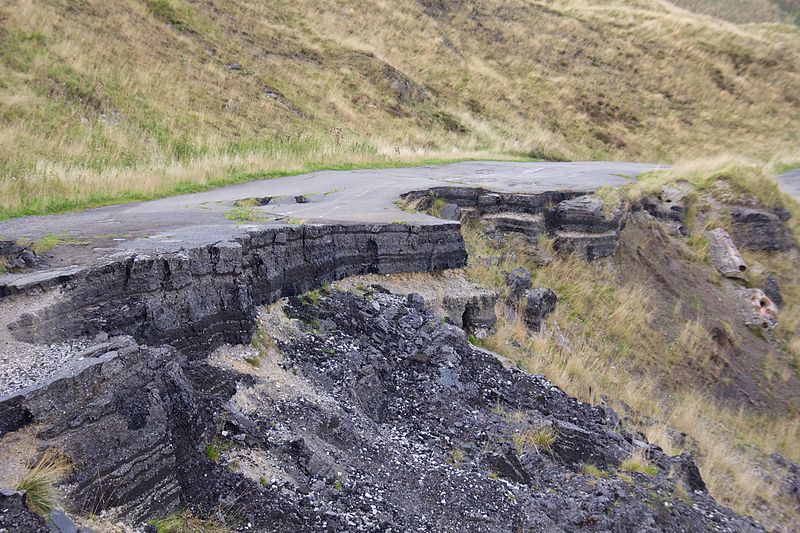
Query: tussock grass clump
539, 439
639, 464
593, 471
39, 479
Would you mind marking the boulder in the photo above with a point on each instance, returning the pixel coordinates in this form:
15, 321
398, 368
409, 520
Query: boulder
585, 214
16, 257
450, 212
757, 230
518, 281
724, 255
479, 316
539, 303
758, 309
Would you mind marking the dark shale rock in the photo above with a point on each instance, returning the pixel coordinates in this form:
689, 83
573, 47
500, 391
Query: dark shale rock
668, 204
15, 257
782, 213
685, 469
584, 214
199, 298
450, 212
758, 230
479, 316
586, 246
791, 477
61, 523
773, 290
539, 303
526, 224
394, 393
578, 223
518, 281
581, 226
406, 452
15, 517
484, 201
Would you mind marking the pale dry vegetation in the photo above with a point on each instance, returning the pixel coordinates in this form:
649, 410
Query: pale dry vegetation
39, 478
602, 345
111, 101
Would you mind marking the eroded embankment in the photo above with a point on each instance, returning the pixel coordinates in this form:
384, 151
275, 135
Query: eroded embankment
133, 407
197, 298
153, 425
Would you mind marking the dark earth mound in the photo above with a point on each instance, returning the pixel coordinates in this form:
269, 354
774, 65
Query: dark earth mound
399, 425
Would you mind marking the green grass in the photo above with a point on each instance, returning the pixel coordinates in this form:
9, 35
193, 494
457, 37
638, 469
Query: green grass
253, 360
540, 439
787, 167
637, 463
475, 341
244, 214
593, 471
211, 451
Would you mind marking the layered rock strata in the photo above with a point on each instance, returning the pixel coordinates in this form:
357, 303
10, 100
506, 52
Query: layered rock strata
198, 298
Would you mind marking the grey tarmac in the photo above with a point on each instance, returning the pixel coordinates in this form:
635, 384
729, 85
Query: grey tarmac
172, 223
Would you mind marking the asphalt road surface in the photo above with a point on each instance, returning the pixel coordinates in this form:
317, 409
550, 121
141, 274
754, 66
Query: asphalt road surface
790, 182
332, 196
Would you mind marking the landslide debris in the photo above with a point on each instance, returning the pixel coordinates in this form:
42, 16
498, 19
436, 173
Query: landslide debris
360, 413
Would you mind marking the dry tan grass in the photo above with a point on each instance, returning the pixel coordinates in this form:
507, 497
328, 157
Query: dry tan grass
600, 344
39, 478
91, 112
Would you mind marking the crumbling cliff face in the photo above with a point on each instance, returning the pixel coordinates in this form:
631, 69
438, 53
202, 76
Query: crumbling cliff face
387, 420
576, 222
200, 297
370, 412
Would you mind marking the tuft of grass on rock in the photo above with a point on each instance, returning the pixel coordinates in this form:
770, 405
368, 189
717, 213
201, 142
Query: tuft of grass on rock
185, 522
637, 462
540, 439
593, 471
253, 360
39, 479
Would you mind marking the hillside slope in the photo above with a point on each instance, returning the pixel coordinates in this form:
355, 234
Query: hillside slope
104, 101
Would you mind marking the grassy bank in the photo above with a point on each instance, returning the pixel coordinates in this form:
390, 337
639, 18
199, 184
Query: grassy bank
90, 112
614, 339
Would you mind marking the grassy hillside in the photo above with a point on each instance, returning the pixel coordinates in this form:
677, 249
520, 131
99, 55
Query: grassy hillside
135, 98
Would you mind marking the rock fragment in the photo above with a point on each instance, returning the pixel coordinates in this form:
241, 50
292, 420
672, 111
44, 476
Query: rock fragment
760, 231
539, 303
758, 309
15, 257
518, 281
725, 256
450, 212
